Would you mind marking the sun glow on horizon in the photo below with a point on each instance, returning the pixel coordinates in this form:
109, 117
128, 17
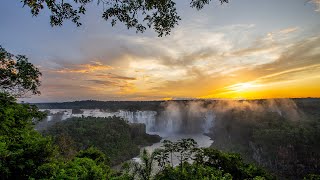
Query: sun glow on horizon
243, 86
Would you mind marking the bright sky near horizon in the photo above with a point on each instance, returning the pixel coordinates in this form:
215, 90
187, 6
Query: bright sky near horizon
243, 49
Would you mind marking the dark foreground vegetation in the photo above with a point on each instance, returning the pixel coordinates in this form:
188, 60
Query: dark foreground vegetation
193, 163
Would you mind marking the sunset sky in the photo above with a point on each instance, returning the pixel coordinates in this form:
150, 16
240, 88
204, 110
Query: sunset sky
244, 49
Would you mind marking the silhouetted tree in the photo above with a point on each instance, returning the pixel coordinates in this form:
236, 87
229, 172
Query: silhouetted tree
161, 15
17, 75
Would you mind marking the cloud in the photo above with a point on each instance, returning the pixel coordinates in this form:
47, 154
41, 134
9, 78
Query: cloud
297, 64
207, 70
254, 50
299, 55
317, 4
115, 76
288, 30
104, 82
94, 66
290, 74
198, 63
180, 49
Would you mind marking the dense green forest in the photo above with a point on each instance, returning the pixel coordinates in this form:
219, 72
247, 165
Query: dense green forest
116, 138
287, 144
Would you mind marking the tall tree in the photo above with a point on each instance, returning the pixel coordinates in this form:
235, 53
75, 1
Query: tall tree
161, 15
17, 75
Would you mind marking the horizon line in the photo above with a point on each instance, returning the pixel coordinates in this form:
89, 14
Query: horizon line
177, 99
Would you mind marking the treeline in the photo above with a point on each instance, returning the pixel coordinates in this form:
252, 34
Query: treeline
117, 139
110, 105
287, 143
152, 105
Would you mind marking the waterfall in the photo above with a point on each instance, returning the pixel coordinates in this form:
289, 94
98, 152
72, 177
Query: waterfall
173, 120
146, 117
208, 121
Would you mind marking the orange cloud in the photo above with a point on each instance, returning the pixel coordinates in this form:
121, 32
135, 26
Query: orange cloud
94, 66
270, 66
115, 76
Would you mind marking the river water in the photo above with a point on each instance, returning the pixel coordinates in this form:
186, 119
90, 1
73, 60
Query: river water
201, 139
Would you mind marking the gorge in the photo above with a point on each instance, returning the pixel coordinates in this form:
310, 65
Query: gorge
273, 133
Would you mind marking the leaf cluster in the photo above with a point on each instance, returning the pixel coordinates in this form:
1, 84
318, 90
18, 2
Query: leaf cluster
17, 75
161, 15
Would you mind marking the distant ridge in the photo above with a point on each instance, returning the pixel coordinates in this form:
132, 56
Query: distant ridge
143, 105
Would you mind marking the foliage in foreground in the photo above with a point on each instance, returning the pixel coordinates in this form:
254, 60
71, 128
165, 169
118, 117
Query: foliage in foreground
184, 160
17, 75
25, 153
161, 15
